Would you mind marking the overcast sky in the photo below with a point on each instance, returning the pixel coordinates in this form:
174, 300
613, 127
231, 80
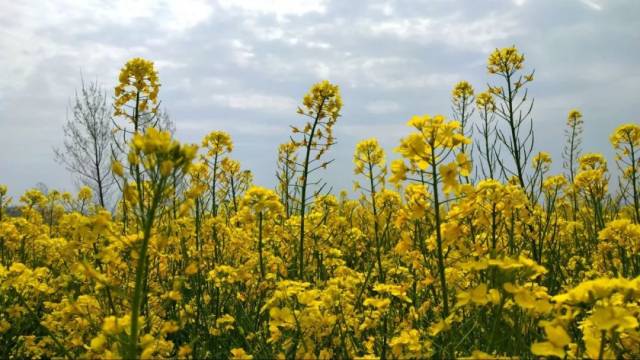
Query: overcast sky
243, 66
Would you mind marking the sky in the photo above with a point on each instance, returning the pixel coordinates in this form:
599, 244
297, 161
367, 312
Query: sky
243, 66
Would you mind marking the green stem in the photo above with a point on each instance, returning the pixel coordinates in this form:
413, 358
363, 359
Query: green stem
262, 270
303, 197
436, 209
375, 223
137, 293
602, 342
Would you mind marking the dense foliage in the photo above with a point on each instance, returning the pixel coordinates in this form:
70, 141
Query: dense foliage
466, 246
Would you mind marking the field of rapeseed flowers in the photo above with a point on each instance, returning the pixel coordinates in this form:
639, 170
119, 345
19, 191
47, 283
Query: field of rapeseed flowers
466, 246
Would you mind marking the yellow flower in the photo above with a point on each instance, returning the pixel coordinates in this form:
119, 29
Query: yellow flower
191, 269
591, 290
17, 268
462, 90
613, 317
117, 168
552, 183
505, 61
398, 171
525, 299
558, 340
622, 232
592, 161
484, 101
85, 193
464, 164
184, 351
262, 201
407, 344
173, 295
417, 200
440, 326
166, 167
542, 160
161, 154
626, 135
97, 343
368, 152
380, 304
449, 173
240, 354
217, 143
131, 193
113, 326
169, 327
413, 147
138, 81
574, 118
225, 322
396, 291
479, 294
325, 98
4, 326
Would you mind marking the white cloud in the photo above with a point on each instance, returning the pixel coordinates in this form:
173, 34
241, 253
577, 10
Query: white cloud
317, 45
322, 70
385, 8
174, 14
433, 80
388, 133
28, 34
382, 107
185, 14
162, 64
395, 73
452, 31
242, 52
593, 4
197, 128
274, 103
280, 8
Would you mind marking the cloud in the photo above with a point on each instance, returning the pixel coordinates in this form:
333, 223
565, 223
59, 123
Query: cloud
385, 8
243, 66
255, 102
382, 107
38, 36
279, 8
453, 30
186, 14
240, 128
593, 4
322, 70
242, 53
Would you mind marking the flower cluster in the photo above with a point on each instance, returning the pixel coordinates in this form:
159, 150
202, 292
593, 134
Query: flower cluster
138, 83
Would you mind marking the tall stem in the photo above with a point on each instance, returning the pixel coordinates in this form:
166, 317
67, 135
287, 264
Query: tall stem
375, 223
142, 256
303, 196
436, 210
514, 136
262, 270
634, 184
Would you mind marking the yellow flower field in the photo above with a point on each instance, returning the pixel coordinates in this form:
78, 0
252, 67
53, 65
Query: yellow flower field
467, 245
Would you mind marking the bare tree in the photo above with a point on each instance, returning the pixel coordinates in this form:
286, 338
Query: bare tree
87, 140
